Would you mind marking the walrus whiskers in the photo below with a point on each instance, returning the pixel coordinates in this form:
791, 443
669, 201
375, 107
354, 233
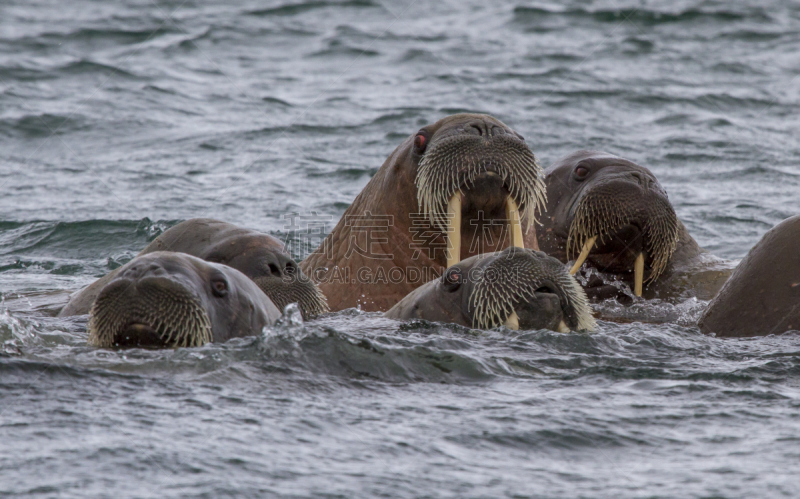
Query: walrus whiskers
294, 289
516, 288
453, 163
595, 217
184, 324
505, 284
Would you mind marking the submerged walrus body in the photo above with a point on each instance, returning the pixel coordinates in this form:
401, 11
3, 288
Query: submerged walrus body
259, 256
612, 216
167, 299
465, 185
518, 288
762, 297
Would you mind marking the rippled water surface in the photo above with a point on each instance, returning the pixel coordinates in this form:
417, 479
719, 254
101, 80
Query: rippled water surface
119, 119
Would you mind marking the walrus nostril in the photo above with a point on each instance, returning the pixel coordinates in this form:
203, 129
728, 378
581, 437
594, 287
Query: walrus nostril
146, 270
274, 270
478, 128
290, 268
641, 179
155, 270
497, 130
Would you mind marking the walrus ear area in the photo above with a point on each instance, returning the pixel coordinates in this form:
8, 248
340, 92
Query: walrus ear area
452, 279
421, 140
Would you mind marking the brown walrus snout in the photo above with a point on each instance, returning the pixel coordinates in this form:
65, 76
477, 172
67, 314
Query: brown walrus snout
610, 212
474, 175
627, 217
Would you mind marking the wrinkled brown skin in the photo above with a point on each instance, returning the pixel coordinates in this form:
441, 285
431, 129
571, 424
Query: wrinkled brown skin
243, 311
692, 271
762, 297
392, 191
440, 301
255, 254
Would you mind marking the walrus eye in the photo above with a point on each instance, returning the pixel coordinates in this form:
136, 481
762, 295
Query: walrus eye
420, 142
581, 172
451, 280
219, 287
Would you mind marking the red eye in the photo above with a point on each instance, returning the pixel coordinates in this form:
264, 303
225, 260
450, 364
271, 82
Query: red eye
581, 172
420, 142
452, 279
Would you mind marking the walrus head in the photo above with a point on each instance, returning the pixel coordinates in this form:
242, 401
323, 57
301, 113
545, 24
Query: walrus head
465, 185
519, 288
610, 212
166, 299
471, 170
264, 259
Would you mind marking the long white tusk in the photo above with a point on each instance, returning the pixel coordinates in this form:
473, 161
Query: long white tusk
587, 247
513, 321
638, 269
454, 230
515, 229
562, 327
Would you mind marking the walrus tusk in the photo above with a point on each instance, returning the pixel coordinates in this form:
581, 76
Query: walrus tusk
454, 230
638, 269
562, 327
515, 229
512, 322
587, 247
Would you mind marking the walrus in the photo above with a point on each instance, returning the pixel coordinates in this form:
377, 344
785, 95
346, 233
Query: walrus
612, 215
465, 185
167, 299
519, 288
259, 256
762, 296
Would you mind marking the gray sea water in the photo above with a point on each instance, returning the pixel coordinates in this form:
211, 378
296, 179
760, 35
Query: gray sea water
119, 119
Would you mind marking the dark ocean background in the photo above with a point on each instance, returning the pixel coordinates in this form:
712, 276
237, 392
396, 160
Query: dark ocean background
120, 119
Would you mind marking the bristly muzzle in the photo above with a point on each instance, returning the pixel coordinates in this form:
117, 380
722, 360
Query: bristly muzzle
177, 316
456, 161
604, 209
513, 277
292, 289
